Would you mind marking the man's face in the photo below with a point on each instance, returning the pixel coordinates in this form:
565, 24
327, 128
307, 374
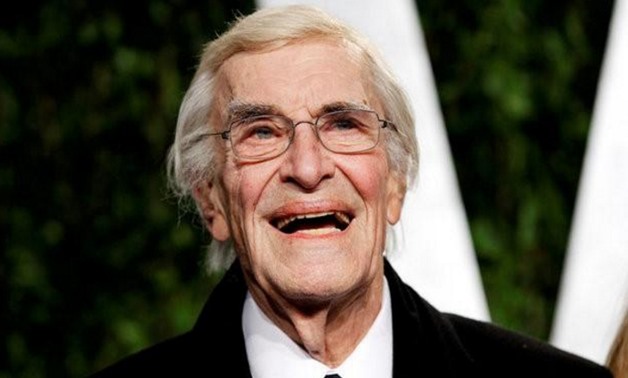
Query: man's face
309, 224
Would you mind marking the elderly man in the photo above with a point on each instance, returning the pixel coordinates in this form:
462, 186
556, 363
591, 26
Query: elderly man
297, 146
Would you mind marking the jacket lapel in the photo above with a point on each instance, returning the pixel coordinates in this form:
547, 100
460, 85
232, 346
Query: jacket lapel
424, 342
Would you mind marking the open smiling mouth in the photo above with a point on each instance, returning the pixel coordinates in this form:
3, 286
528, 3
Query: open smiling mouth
319, 223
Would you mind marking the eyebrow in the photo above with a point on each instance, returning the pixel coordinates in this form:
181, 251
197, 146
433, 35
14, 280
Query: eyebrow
342, 105
237, 110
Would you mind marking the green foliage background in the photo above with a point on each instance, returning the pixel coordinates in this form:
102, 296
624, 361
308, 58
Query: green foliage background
97, 259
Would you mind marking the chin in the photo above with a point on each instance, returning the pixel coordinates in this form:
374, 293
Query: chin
313, 299
320, 287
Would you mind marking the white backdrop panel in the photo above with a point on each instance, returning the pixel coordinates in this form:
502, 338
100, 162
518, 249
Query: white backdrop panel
594, 289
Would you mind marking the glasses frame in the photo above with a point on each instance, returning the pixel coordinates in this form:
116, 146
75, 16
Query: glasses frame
226, 134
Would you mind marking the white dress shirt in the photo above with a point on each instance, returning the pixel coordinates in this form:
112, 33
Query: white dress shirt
272, 354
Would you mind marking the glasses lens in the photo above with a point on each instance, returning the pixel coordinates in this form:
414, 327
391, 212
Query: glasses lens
260, 137
349, 131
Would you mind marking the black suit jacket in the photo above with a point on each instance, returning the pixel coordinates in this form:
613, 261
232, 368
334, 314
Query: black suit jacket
426, 343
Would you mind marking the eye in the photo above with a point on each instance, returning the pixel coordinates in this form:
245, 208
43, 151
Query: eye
344, 124
259, 130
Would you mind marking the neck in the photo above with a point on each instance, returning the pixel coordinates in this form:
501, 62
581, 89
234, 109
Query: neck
328, 331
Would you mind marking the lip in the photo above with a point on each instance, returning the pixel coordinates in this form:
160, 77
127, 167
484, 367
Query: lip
338, 217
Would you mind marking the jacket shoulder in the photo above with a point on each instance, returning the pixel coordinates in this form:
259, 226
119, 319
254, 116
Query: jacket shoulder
214, 343
173, 356
510, 353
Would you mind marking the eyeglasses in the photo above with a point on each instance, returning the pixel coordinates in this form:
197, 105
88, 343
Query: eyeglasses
267, 136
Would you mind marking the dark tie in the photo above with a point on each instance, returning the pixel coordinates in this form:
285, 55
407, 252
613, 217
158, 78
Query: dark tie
332, 376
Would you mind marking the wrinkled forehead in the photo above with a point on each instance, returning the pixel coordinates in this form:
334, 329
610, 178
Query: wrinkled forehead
312, 73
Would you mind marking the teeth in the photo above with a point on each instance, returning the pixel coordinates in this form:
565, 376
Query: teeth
341, 217
282, 223
320, 231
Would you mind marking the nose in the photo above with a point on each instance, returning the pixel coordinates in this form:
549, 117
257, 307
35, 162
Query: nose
307, 163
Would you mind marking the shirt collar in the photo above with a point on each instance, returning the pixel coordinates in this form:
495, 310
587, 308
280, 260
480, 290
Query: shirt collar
271, 353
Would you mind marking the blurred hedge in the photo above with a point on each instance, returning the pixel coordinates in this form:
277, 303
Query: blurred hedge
97, 259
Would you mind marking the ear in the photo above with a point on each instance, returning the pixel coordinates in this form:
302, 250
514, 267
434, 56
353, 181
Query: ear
208, 199
396, 193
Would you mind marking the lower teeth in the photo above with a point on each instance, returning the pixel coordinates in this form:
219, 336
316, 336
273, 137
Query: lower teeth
319, 231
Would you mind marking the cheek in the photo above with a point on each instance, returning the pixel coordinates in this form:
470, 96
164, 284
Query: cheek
246, 185
369, 175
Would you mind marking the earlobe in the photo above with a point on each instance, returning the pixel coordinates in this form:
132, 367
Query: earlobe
395, 197
212, 211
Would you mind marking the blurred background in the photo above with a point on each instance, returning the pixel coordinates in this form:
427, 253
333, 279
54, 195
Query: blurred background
97, 258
